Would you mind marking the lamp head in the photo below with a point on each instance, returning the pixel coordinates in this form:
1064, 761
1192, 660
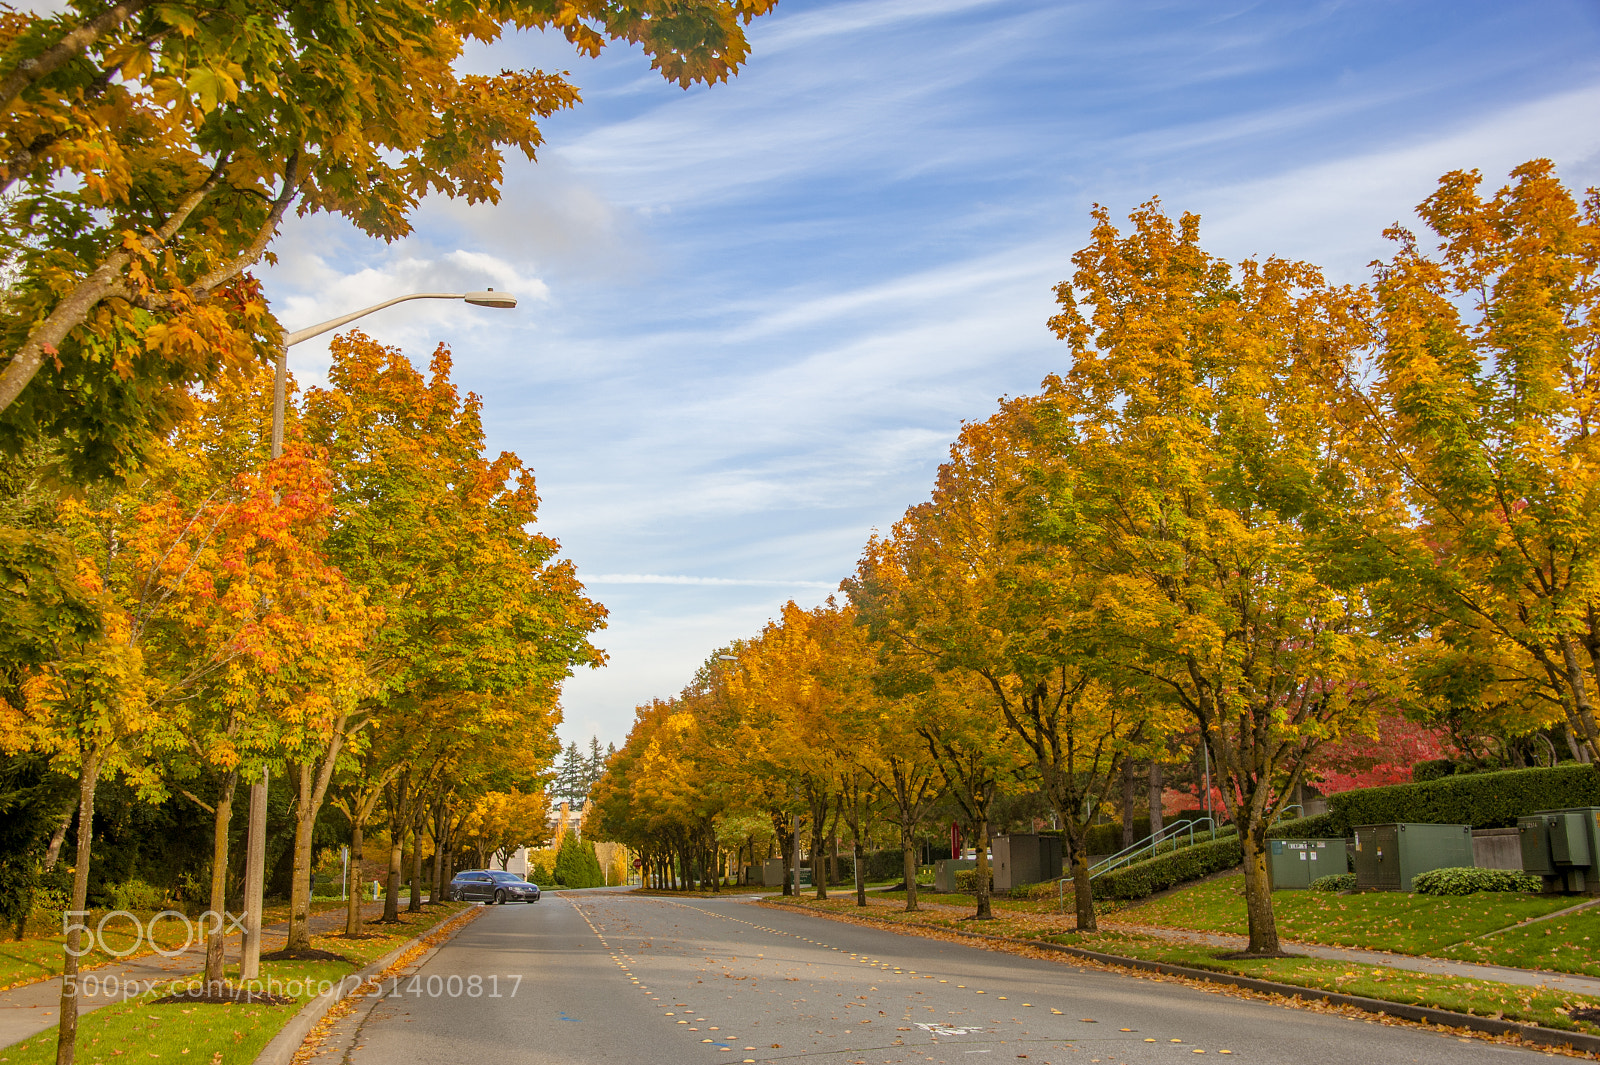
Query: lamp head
490, 298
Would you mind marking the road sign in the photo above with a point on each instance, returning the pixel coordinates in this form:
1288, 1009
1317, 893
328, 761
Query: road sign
638, 863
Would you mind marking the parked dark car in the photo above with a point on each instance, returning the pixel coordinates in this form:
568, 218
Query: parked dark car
490, 886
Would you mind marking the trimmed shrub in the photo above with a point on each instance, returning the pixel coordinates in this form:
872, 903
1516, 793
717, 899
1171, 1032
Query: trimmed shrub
1482, 800
1044, 889
1335, 883
1468, 881
1182, 865
136, 895
967, 882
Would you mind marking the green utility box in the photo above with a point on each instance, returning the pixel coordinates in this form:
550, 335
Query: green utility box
1388, 856
945, 870
1294, 863
1562, 847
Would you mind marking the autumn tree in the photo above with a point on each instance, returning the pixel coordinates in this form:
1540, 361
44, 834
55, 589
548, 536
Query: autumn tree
1192, 463
438, 537
196, 579
793, 687
150, 151
966, 588
1478, 405
978, 756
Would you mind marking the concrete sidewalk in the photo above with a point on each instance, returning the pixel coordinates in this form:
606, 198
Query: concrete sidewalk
30, 1009
1504, 974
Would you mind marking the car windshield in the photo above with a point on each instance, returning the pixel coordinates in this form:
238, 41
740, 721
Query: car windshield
507, 878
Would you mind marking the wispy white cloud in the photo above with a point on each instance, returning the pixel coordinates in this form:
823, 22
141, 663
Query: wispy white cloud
757, 314
732, 582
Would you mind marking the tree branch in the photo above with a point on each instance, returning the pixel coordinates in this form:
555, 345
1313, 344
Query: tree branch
293, 180
30, 71
105, 281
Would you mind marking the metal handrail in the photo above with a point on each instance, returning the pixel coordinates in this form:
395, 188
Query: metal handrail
1151, 843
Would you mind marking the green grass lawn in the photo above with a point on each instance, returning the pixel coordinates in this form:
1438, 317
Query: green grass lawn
1568, 944
38, 955
1379, 920
1484, 998
205, 1034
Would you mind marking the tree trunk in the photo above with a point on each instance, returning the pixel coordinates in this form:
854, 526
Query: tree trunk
214, 938
436, 891
1156, 821
397, 843
1130, 795
908, 865
982, 827
415, 904
1076, 834
352, 911
819, 871
791, 875
300, 885
860, 863
53, 852
1579, 753
67, 1034
1578, 684
1258, 890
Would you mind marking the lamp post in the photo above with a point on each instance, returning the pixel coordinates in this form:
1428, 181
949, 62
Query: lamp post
256, 848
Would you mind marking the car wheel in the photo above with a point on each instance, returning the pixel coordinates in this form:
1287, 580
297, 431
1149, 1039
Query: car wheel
499, 898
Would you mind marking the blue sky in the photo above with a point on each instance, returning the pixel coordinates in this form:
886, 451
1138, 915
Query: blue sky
754, 316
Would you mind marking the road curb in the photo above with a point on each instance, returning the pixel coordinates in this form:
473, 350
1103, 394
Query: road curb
1528, 1033
280, 1049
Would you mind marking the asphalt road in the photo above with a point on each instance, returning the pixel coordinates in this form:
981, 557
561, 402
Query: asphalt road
620, 978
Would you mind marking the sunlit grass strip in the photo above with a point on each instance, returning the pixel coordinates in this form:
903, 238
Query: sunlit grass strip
220, 1034
1378, 920
38, 956
1481, 998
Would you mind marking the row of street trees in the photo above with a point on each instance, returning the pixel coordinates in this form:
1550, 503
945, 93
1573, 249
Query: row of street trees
369, 613
1260, 510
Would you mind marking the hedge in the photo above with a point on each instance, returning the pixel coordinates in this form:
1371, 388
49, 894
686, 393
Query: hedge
1469, 881
1482, 800
1107, 838
1317, 826
1157, 874
967, 882
1334, 883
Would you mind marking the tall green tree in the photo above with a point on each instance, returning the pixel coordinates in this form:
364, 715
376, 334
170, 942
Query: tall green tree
1192, 461
1479, 406
439, 537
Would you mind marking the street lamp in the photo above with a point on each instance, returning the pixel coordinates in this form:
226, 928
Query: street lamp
255, 860
487, 298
